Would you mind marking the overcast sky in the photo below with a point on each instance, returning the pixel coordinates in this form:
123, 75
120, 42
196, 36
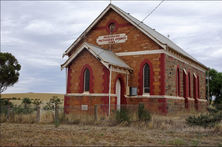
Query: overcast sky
38, 32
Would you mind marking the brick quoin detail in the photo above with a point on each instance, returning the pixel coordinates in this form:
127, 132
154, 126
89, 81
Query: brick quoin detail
162, 74
66, 98
66, 104
198, 86
69, 82
189, 85
186, 90
178, 81
140, 79
195, 90
81, 77
123, 89
105, 85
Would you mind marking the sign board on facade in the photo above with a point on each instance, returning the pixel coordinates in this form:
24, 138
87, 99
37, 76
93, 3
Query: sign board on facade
115, 38
84, 107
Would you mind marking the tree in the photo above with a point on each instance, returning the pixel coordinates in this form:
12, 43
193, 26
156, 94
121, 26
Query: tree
4, 102
26, 101
9, 71
53, 102
37, 102
215, 89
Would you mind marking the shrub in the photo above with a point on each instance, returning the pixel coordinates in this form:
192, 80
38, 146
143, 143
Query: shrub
57, 122
20, 110
4, 110
207, 120
26, 101
123, 115
4, 102
218, 106
143, 114
54, 101
212, 110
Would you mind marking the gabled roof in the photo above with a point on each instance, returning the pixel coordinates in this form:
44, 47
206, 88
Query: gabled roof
161, 40
106, 57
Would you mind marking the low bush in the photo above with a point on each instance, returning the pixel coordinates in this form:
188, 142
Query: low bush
143, 114
4, 110
218, 106
20, 110
205, 120
123, 115
212, 110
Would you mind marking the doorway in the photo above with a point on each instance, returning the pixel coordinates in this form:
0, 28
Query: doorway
118, 93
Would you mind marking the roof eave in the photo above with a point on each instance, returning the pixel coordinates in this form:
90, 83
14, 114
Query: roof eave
87, 30
190, 58
163, 45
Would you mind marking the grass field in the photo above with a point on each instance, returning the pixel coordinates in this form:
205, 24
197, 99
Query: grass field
120, 135
41, 96
83, 130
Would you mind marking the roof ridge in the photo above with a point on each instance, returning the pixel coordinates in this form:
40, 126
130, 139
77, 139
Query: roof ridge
157, 37
140, 22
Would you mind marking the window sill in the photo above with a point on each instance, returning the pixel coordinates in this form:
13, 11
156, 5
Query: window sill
146, 94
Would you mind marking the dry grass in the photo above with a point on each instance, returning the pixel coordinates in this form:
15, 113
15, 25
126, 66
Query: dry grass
40, 96
19, 118
70, 135
75, 130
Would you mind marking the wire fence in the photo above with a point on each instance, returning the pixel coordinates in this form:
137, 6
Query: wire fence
103, 114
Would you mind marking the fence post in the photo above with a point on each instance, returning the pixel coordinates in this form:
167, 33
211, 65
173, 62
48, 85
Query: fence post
56, 112
8, 111
96, 112
38, 113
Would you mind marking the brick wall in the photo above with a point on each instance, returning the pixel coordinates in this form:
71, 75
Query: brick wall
85, 58
171, 66
136, 41
136, 62
163, 68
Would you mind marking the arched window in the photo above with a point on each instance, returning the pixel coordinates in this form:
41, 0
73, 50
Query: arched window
189, 85
194, 86
178, 82
185, 86
198, 87
86, 79
146, 78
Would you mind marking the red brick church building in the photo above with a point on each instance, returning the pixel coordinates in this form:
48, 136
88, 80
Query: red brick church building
119, 61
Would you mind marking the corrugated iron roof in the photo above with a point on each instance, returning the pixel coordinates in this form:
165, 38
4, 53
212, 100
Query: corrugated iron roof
157, 35
108, 56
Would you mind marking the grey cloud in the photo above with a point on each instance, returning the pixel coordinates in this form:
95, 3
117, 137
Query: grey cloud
38, 32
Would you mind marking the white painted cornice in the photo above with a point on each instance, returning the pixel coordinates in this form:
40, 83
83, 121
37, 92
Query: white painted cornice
148, 52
